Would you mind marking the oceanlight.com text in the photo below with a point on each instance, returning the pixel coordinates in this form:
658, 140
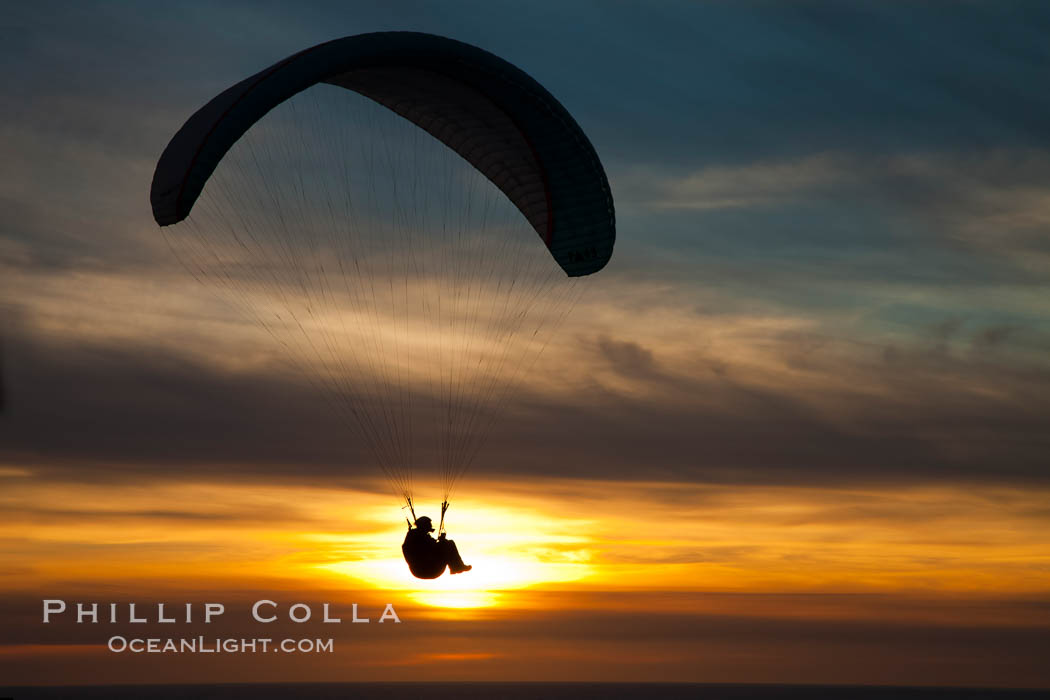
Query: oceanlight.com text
216, 645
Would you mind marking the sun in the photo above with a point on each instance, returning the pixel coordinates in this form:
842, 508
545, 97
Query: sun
509, 549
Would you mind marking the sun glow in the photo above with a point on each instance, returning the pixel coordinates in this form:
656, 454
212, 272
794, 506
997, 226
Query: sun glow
509, 549
578, 536
457, 599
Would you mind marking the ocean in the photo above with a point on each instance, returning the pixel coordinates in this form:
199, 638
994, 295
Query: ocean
511, 691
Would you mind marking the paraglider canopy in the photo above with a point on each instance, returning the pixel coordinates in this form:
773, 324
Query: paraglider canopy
495, 116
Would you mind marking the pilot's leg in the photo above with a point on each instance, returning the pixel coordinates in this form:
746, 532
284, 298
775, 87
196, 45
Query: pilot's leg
455, 561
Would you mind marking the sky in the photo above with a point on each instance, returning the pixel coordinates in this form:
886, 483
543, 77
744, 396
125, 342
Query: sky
796, 431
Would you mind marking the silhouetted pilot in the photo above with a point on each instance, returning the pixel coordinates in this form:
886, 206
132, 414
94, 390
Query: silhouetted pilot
427, 557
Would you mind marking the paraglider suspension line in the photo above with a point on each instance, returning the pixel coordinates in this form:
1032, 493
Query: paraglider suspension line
441, 527
412, 510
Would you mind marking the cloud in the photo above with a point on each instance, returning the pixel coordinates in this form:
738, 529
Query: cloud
996, 200
628, 358
993, 336
705, 398
735, 186
767, 315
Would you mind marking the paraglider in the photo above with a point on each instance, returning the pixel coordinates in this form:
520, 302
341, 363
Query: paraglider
408, 217
427, 557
